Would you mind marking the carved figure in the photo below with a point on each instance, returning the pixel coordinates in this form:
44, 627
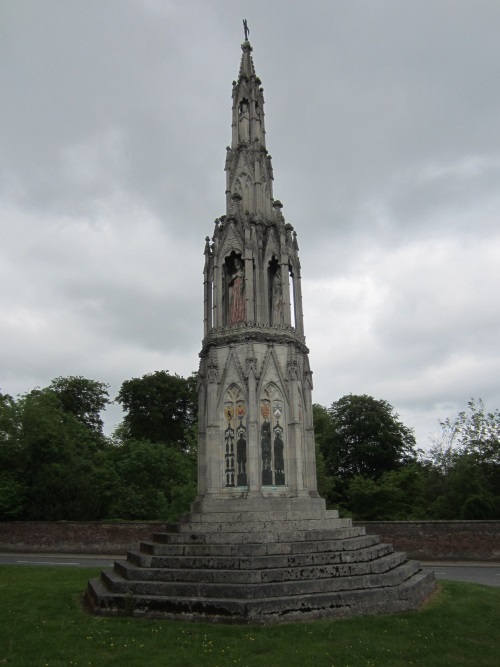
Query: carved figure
237, 294
241, 457
257, 123
244, 122
245, 28
277, 296
265, 441
279, 460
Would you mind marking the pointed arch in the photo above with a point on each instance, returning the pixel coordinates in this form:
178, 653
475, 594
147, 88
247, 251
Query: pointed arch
272, 246
235, 437
271, 373
233, 289
232, 374
232, 241
243, 185
272, 440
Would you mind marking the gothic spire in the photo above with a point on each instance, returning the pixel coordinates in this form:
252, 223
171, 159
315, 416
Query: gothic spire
248, 165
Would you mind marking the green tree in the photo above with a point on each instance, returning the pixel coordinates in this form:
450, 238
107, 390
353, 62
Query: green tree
359, 440
364, 437
155, 481
9, 430
160, 407
13, 487
62, 460
397, 495
330, 486
474, 431
83, 398
465, 456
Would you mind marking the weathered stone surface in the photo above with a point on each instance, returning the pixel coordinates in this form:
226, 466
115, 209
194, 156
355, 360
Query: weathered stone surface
275, 589
336, 570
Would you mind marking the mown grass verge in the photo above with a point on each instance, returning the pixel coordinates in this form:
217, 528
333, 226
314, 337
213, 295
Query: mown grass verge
42, 623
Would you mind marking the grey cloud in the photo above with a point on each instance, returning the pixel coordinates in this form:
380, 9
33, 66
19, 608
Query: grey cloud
383, 120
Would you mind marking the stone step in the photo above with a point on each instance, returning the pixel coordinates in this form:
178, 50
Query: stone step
417, 588
138, 558
269, 567
252, 550
106, 603
256, 571
385, 572
256, 538
229, 517
162, 549
267, 561
250, 526
408, 595
247, 502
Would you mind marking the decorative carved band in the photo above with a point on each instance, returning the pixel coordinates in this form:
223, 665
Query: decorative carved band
244, 332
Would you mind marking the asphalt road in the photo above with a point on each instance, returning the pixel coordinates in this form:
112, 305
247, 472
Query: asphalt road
484, 573
63, 560
476, 573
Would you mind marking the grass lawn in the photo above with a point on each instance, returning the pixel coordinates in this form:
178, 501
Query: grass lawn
43, 624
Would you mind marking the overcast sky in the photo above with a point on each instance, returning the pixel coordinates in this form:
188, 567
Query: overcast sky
383, 120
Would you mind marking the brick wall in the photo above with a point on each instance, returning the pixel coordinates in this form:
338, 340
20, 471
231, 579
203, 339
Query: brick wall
423, 540
440, 540
74, 537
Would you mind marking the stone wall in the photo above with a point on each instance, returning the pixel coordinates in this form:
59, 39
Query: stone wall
75, 537
440, 540
423, 540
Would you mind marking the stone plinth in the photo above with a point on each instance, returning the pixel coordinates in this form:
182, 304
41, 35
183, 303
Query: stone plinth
261, 566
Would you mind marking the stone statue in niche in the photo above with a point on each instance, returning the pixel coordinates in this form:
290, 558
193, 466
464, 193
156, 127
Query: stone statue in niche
237, 293
257, 123
241, 457
277, 298
244, 122
265, 441
229, 442
279, 460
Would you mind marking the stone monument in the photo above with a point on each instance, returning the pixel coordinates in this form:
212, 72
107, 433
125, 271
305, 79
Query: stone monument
259, 545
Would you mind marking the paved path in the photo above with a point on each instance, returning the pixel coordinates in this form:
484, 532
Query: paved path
476, 573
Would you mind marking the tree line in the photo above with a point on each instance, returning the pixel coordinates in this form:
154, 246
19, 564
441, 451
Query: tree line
56, 463
370, 467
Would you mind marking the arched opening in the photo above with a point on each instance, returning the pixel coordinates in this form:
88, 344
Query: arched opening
235, 438
291, 283
276, 305
272, 437
244, 120
233, 293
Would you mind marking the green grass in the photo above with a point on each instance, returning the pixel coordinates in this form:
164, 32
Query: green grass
43, 624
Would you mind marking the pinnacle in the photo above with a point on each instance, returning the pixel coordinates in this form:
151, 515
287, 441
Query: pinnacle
247, 67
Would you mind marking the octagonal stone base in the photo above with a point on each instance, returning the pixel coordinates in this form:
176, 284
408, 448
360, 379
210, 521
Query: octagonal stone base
292, 561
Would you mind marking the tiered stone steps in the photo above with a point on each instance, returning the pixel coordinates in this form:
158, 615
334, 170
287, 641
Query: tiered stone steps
260, 567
